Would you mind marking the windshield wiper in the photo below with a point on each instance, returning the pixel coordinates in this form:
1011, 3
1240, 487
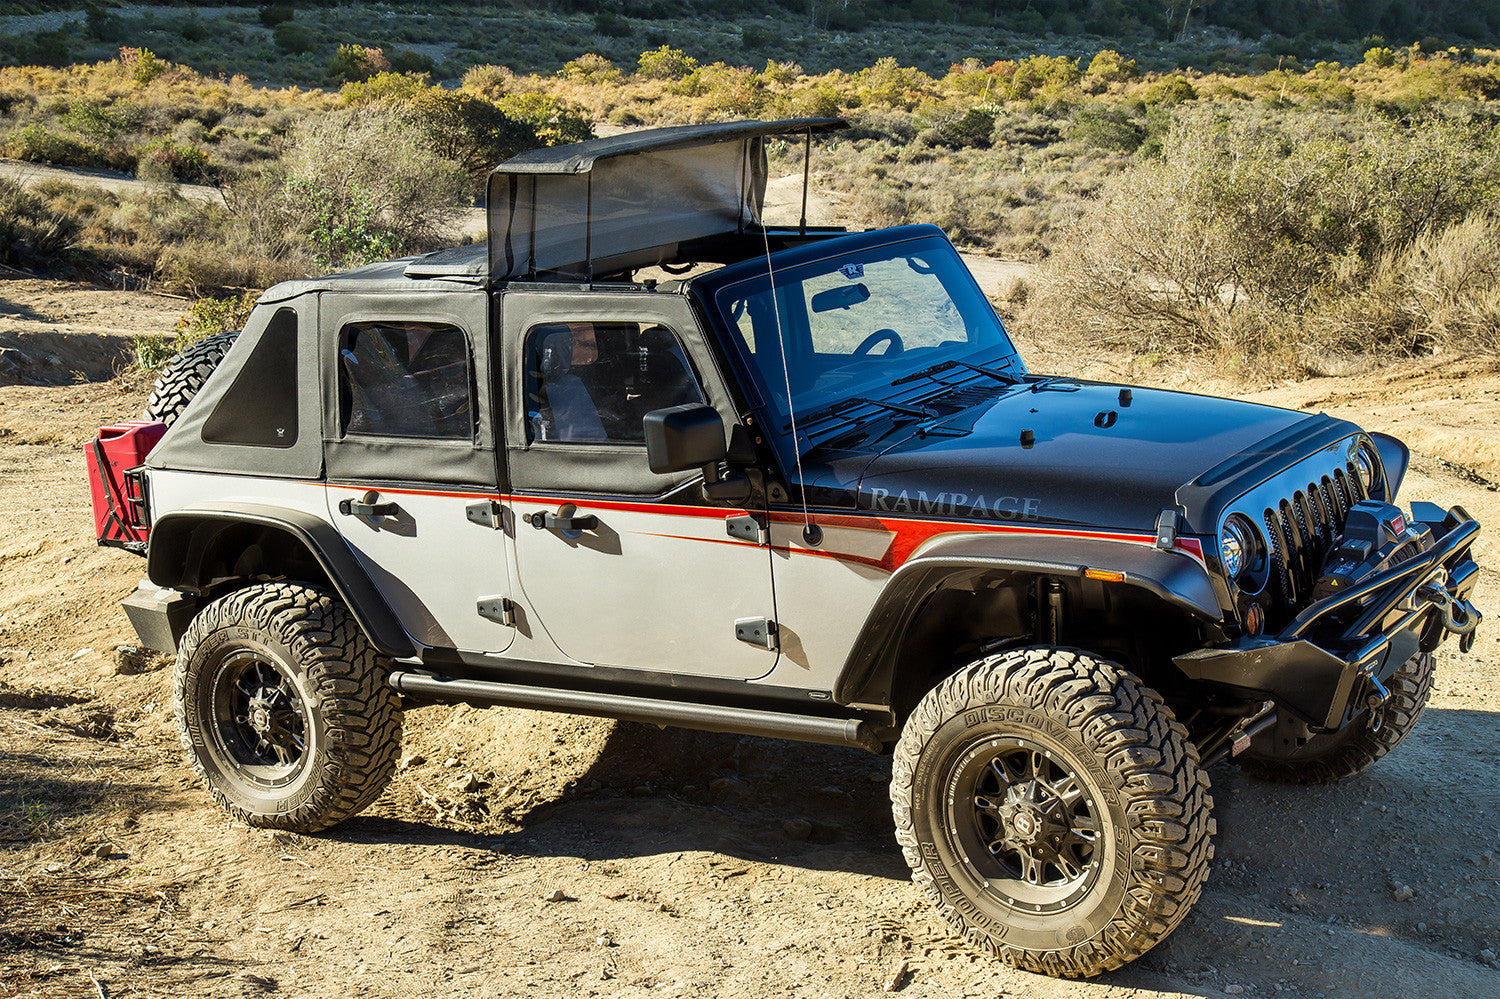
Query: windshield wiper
999, 376
942, 366
839, 408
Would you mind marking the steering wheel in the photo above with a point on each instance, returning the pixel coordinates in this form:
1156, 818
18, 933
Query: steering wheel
880, 336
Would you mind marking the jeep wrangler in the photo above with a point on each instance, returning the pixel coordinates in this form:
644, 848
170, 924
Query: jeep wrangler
645, 456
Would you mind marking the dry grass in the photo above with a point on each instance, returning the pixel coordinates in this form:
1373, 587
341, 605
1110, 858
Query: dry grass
1261, 245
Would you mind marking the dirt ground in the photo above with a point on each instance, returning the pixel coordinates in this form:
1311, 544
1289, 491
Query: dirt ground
519, 853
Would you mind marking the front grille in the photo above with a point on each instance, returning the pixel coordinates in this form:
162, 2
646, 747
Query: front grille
1301, 530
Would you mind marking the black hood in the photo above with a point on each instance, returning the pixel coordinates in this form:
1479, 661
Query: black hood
1070, 453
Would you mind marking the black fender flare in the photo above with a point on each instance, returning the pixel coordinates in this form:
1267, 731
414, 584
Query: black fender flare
1174, 576
179, 539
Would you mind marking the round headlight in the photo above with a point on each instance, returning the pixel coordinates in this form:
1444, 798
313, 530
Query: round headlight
1239, 547
1363, 470
1232, 552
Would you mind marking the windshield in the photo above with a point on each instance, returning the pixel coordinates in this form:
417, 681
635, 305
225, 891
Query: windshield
856, 324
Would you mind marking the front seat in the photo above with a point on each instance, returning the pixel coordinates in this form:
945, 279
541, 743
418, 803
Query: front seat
567, 411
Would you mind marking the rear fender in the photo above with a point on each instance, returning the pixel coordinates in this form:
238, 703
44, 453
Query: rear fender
194, 549
1174, 578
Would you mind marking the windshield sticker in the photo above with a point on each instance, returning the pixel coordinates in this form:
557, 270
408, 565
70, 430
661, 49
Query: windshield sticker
852, 271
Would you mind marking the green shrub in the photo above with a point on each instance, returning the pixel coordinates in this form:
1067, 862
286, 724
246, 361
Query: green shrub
406, 61
141, 65
972, 127
757, 36
167, 160
1106, 127
1380, 57
193, 28
474, 132
358, 175
344, 226
356, 62
393, 87
1251, 240
92, 121
204, 318
665, 63
273, 15
1111, 67
591, 68
33, 234
294, 38
612, 25
1172, 90
554, 121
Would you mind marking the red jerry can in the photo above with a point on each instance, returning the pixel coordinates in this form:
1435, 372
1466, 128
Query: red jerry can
116, 487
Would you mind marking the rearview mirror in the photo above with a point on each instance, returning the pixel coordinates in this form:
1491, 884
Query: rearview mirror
682, 437
841, 297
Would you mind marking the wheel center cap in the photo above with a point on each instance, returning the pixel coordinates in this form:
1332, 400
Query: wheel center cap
259, 718
1024, 823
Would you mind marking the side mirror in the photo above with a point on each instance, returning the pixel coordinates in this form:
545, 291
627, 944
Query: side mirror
682, 437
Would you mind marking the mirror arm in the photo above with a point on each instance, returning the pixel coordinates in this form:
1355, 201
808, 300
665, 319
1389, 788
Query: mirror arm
734, 487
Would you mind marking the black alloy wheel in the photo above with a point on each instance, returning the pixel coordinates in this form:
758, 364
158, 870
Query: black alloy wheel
1027, 823
260, 720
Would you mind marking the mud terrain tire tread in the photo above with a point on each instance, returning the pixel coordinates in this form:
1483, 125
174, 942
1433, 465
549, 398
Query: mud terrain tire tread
1356, 746
184, 375
347, 680
1134, 734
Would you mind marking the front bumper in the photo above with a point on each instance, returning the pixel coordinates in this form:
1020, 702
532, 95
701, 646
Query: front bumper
1332, 661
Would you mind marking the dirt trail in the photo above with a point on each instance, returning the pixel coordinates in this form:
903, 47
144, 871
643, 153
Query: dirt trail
687, 864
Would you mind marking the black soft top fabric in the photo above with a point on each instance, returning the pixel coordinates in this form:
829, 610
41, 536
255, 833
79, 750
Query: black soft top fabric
580, 157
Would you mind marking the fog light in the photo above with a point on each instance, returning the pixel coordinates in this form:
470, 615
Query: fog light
1255, 619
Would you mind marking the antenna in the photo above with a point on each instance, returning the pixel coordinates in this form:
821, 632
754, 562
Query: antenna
806, 168
811, 533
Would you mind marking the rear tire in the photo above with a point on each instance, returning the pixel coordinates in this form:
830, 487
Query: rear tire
1324, 759
184, 375
284, 708
1053, 808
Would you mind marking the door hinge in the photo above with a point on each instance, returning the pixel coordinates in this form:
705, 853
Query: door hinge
750, 527
757, 631
485, 513
501, 610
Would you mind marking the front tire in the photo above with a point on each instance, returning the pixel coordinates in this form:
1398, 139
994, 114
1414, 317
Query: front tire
1327, 758
1054, 809
284, 708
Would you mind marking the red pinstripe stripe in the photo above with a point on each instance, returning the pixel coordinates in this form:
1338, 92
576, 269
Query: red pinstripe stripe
909, 534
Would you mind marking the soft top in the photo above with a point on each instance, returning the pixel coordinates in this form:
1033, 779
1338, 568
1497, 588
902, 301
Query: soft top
580, 157
628, 201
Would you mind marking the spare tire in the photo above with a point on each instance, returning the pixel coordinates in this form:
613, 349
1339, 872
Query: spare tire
185, 374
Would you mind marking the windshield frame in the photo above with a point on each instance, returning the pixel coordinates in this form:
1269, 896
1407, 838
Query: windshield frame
719, 286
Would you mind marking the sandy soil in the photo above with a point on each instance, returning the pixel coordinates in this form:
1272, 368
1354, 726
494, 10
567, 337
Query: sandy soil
594, 858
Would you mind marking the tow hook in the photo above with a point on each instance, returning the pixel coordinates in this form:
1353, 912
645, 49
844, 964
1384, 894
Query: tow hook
1377, 697
1459, 617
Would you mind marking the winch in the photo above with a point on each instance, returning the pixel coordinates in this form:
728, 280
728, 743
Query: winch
1376, 536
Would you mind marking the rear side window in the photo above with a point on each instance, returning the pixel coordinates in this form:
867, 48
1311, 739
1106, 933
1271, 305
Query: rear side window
406, 379
260, 408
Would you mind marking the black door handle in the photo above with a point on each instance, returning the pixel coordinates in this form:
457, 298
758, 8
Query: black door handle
359, 508
544, 521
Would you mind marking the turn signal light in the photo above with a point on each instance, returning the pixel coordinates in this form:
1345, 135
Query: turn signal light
1107, 576
1255, 619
